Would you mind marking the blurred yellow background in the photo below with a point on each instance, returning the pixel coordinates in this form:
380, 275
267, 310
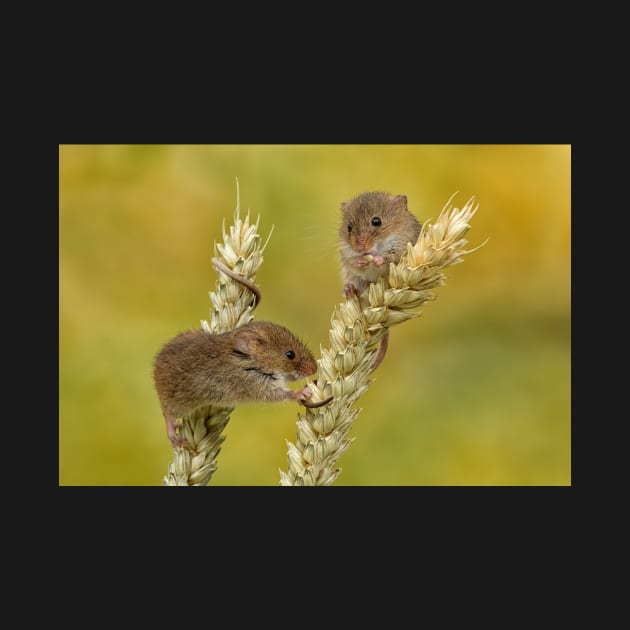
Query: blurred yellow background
474, 392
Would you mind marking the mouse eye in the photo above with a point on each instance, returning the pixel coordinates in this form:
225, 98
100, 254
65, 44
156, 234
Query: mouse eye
376, 221
349, 227
290, 354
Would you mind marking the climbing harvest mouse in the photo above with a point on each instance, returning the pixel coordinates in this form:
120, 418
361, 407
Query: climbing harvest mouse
251, 363
375, 229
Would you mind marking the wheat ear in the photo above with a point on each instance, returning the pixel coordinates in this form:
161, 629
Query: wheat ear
357, 328
232, 302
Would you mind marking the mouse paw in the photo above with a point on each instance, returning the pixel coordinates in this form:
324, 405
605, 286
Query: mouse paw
350, 291
303, 394
176, 440
304, 398
378, 261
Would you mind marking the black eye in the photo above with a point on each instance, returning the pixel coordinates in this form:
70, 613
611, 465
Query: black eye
290, 354
376, 221
349, 227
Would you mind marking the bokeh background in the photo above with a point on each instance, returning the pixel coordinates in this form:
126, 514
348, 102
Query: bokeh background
474, 392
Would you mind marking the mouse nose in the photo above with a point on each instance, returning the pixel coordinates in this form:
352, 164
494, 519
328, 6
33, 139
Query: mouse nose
363, 246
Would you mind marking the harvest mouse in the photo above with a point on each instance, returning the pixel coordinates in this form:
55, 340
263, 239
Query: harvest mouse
251, 363
375, 230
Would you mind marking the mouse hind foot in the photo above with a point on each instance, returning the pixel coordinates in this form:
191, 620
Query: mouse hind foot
176, 440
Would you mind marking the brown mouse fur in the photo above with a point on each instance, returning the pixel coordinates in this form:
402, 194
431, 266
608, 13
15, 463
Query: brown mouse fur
247, 364
375, 229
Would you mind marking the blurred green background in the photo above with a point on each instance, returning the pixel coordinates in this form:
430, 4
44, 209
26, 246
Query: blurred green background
474, 392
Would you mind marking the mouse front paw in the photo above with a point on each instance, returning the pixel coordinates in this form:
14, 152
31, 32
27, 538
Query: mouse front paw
303, 395
304, 398
350, 290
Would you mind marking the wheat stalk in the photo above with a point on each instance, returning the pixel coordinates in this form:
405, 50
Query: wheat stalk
241, 252
357, 328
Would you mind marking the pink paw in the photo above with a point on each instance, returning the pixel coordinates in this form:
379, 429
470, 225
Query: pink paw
304, 394
176, 440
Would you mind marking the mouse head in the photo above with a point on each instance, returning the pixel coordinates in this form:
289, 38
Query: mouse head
370, 218
273, 349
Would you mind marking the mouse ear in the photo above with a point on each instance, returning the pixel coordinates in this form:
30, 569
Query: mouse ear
399, 201
241, 346
246, 342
